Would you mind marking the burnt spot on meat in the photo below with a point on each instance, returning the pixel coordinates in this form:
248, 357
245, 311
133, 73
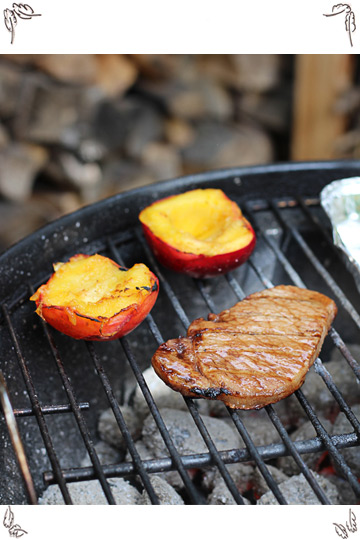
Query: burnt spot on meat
209, 393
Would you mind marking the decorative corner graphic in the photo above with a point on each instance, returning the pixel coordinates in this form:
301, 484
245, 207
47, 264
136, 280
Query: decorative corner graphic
23, 11
350, 25
349, 527
15, 531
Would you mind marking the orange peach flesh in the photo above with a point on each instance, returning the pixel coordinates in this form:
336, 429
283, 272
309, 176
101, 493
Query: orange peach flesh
94, 287
202, 221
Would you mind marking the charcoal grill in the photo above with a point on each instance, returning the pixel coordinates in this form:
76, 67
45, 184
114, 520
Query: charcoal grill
53, 387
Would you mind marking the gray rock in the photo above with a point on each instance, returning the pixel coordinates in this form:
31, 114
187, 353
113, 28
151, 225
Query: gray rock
256, 72
260, 485
91, 492
162, 394
143, 451
4, 136
109, 430
148, 127
318, 394
165, 492
304, 432
218, 144
199, 98
58, 114
11, 81
107, 455
162, 160
67, 170
346, 494
20, 163
352, 454
220, 494
259, 427
343, 375
297, 490
185, 434
172, 477
246, 477
241, 473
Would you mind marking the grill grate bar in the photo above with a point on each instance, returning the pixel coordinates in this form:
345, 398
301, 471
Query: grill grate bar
296, 455
79, 417
345, 352
192, 408
264, 280
332, 387
282, 431
149, 318
214, 452
235, 286
327, 378
255, 454
165, 284
192, 461
347, 305
194, 495
294, 276
323, 372
206, 296
325, 437
159, 339
322, 432
239, 425
157, 335
37, 409
303, 467
190, 404
252, 452
290, 270
49, 409
315, 221
274, 418
122, 424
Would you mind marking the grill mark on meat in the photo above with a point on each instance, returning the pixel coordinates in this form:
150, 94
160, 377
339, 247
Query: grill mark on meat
250, 355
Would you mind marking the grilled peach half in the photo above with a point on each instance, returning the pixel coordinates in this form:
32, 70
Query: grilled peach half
91, 297
201, 232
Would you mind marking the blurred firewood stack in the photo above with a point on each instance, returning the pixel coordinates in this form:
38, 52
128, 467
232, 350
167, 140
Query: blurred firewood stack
78, 128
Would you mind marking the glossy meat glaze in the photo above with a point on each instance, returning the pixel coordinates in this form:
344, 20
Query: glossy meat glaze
253, 354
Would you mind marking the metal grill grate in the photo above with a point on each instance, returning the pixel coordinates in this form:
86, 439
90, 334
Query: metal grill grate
49, 376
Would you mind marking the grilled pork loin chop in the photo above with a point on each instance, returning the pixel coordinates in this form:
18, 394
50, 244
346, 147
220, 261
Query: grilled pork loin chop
250, 355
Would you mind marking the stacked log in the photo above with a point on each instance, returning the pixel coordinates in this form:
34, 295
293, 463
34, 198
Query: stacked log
78, 128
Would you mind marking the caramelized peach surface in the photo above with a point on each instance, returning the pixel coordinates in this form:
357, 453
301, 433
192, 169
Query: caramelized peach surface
199, 232
92, 297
